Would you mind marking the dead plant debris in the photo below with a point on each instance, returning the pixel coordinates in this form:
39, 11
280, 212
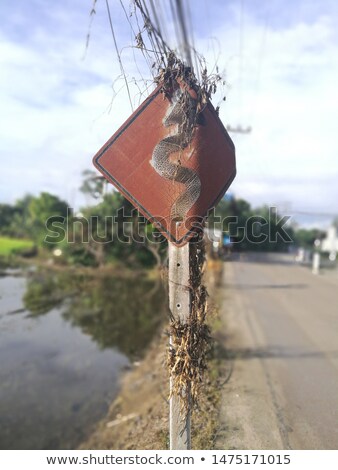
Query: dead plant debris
190, 341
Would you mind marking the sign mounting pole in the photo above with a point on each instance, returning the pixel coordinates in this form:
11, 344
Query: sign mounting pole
206, 173
180, 305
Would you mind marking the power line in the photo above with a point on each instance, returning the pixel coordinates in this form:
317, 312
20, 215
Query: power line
155, 39
192, 46
175, 20
184, 33
118, 55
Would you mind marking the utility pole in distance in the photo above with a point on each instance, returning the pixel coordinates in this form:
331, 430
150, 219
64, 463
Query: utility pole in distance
239, 129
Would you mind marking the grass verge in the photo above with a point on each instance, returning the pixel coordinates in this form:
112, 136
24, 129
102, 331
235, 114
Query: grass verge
9, 246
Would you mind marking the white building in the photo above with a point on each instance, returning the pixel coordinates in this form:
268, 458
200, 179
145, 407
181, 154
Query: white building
330, 242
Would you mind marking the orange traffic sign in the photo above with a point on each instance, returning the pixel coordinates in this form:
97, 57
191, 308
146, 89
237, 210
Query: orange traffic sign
170, 165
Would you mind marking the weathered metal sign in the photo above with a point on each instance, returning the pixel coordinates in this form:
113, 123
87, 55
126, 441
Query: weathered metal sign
172, 167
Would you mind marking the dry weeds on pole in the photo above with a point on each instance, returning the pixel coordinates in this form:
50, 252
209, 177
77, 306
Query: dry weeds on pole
189, 334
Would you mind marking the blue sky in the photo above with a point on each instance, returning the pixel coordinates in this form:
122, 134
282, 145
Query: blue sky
279, 60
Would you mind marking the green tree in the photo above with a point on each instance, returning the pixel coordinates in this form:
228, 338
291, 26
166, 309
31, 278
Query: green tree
335, 222
20, 226
251, 229
112, 230
7, 213
271, 229
93, 184
39, 210
306, 237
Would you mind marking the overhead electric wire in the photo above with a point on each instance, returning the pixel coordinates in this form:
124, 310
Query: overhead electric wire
161, 21
118, 55
157, 18
159, 49
192, 46
143, 49
158, 44
158, 25
175, 21
146, 58
184, 33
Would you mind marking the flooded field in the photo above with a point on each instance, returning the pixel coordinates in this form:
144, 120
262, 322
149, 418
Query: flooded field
65, 339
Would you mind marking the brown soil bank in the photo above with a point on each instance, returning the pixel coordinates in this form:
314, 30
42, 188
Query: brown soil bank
138, 418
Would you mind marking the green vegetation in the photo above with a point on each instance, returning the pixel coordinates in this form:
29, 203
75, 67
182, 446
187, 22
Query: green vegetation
306, 237
106, 232
111, 231
120, 309
9, 246
252, 229
27, 218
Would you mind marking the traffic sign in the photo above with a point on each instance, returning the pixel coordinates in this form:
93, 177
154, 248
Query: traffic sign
170, 165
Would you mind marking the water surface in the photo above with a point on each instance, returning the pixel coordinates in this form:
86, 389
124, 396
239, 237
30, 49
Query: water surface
65, 339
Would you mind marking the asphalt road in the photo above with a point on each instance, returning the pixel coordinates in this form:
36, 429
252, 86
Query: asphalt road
281, 350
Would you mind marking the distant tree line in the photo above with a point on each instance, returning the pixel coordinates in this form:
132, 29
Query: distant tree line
129, 238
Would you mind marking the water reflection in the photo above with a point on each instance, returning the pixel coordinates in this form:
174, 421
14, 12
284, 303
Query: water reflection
42, 294
65, 338
116, 311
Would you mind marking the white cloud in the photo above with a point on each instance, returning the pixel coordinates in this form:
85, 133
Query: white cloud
55, 106
291, 154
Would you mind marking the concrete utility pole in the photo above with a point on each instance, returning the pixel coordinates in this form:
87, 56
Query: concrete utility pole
180, 306
179, 300
122, 156
316, 263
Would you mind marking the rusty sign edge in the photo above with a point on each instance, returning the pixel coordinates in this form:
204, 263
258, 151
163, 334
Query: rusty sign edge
178, 242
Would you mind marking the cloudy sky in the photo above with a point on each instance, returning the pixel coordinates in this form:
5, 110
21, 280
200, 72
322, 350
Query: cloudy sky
61, 102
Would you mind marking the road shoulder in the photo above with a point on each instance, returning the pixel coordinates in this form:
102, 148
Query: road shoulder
249, 410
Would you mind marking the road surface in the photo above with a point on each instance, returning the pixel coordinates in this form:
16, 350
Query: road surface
281, 350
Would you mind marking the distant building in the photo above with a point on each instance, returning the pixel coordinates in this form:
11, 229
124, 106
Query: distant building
330, 242
214, 236
218, 244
